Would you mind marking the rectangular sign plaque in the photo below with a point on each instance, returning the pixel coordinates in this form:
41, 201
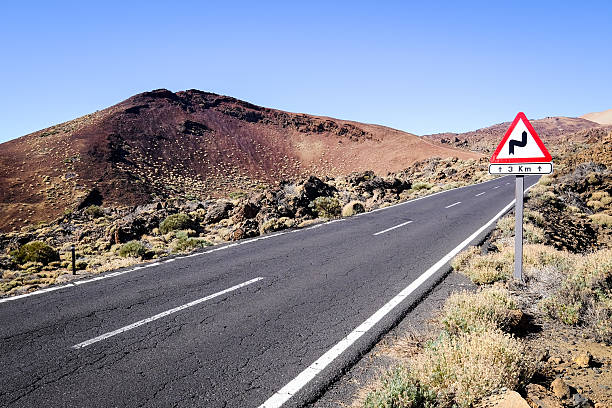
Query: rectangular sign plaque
521, 168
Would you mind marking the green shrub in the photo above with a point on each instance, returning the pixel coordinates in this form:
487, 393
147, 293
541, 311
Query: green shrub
175, 222
421, 185
326, 207
400, 389
236, 194
134, 249
186, 244
36, 251
94, 211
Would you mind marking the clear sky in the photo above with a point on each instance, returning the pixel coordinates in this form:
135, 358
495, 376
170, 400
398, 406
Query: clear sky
419, 66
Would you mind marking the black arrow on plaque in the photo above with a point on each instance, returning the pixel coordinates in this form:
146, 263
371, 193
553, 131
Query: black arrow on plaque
522, 143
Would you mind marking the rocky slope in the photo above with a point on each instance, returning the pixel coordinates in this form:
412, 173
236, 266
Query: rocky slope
554, 132
188, 145
112, 237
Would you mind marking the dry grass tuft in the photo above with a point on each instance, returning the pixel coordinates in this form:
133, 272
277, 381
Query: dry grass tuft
585, 296
463, 369
484, 269
467, 312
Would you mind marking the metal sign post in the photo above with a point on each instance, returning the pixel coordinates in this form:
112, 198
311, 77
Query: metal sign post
518, 229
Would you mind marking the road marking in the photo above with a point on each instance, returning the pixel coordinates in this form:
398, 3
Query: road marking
479, 194
452, 205
163, 314
303, 378
392, 228
495, 187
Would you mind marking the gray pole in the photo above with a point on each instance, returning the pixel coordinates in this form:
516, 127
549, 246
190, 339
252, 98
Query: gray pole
518, 230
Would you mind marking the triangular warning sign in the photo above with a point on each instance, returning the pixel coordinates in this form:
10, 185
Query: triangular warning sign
521, 144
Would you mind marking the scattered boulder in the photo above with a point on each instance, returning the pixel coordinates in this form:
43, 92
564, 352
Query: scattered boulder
538, 397
507, 399
218, 211
583, 359
560, 388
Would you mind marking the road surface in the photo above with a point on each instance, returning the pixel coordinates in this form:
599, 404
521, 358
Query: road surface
269, 321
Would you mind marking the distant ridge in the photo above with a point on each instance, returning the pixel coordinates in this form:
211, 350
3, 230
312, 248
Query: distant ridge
603, 118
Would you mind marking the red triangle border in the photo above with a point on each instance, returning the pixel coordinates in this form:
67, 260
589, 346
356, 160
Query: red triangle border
544, 159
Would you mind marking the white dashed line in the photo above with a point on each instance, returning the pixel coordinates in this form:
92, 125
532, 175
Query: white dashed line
495, 187
163, 314
479, 194
452, 205
392, 228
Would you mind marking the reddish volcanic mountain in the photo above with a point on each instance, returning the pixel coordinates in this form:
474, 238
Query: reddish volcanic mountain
187, 144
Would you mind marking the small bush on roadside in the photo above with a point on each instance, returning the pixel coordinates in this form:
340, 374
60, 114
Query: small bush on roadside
186, 244
134, 249
400, 389
94, 211
464, 369
35, 251
421, 185
352, 208
326, 207
180, 221
465, 312
484, 269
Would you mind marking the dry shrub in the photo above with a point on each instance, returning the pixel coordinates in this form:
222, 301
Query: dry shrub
585, 296
533, 234
116, 263
462, 260
506, 226
484, 269
352, 208
466, 312
463, 369
537, 256
399, 388
602, 219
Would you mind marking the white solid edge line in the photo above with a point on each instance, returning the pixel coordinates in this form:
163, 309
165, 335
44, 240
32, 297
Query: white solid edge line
392, 228
163, 314
295, 385
479, 194
118, 273
452, 205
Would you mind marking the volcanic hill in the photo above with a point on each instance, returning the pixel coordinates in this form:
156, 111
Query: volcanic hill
553, 131
188, 144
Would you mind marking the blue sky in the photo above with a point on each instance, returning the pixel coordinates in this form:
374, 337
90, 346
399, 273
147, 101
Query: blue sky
422, 67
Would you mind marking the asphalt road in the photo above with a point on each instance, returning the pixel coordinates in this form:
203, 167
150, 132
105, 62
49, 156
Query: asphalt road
231, 326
